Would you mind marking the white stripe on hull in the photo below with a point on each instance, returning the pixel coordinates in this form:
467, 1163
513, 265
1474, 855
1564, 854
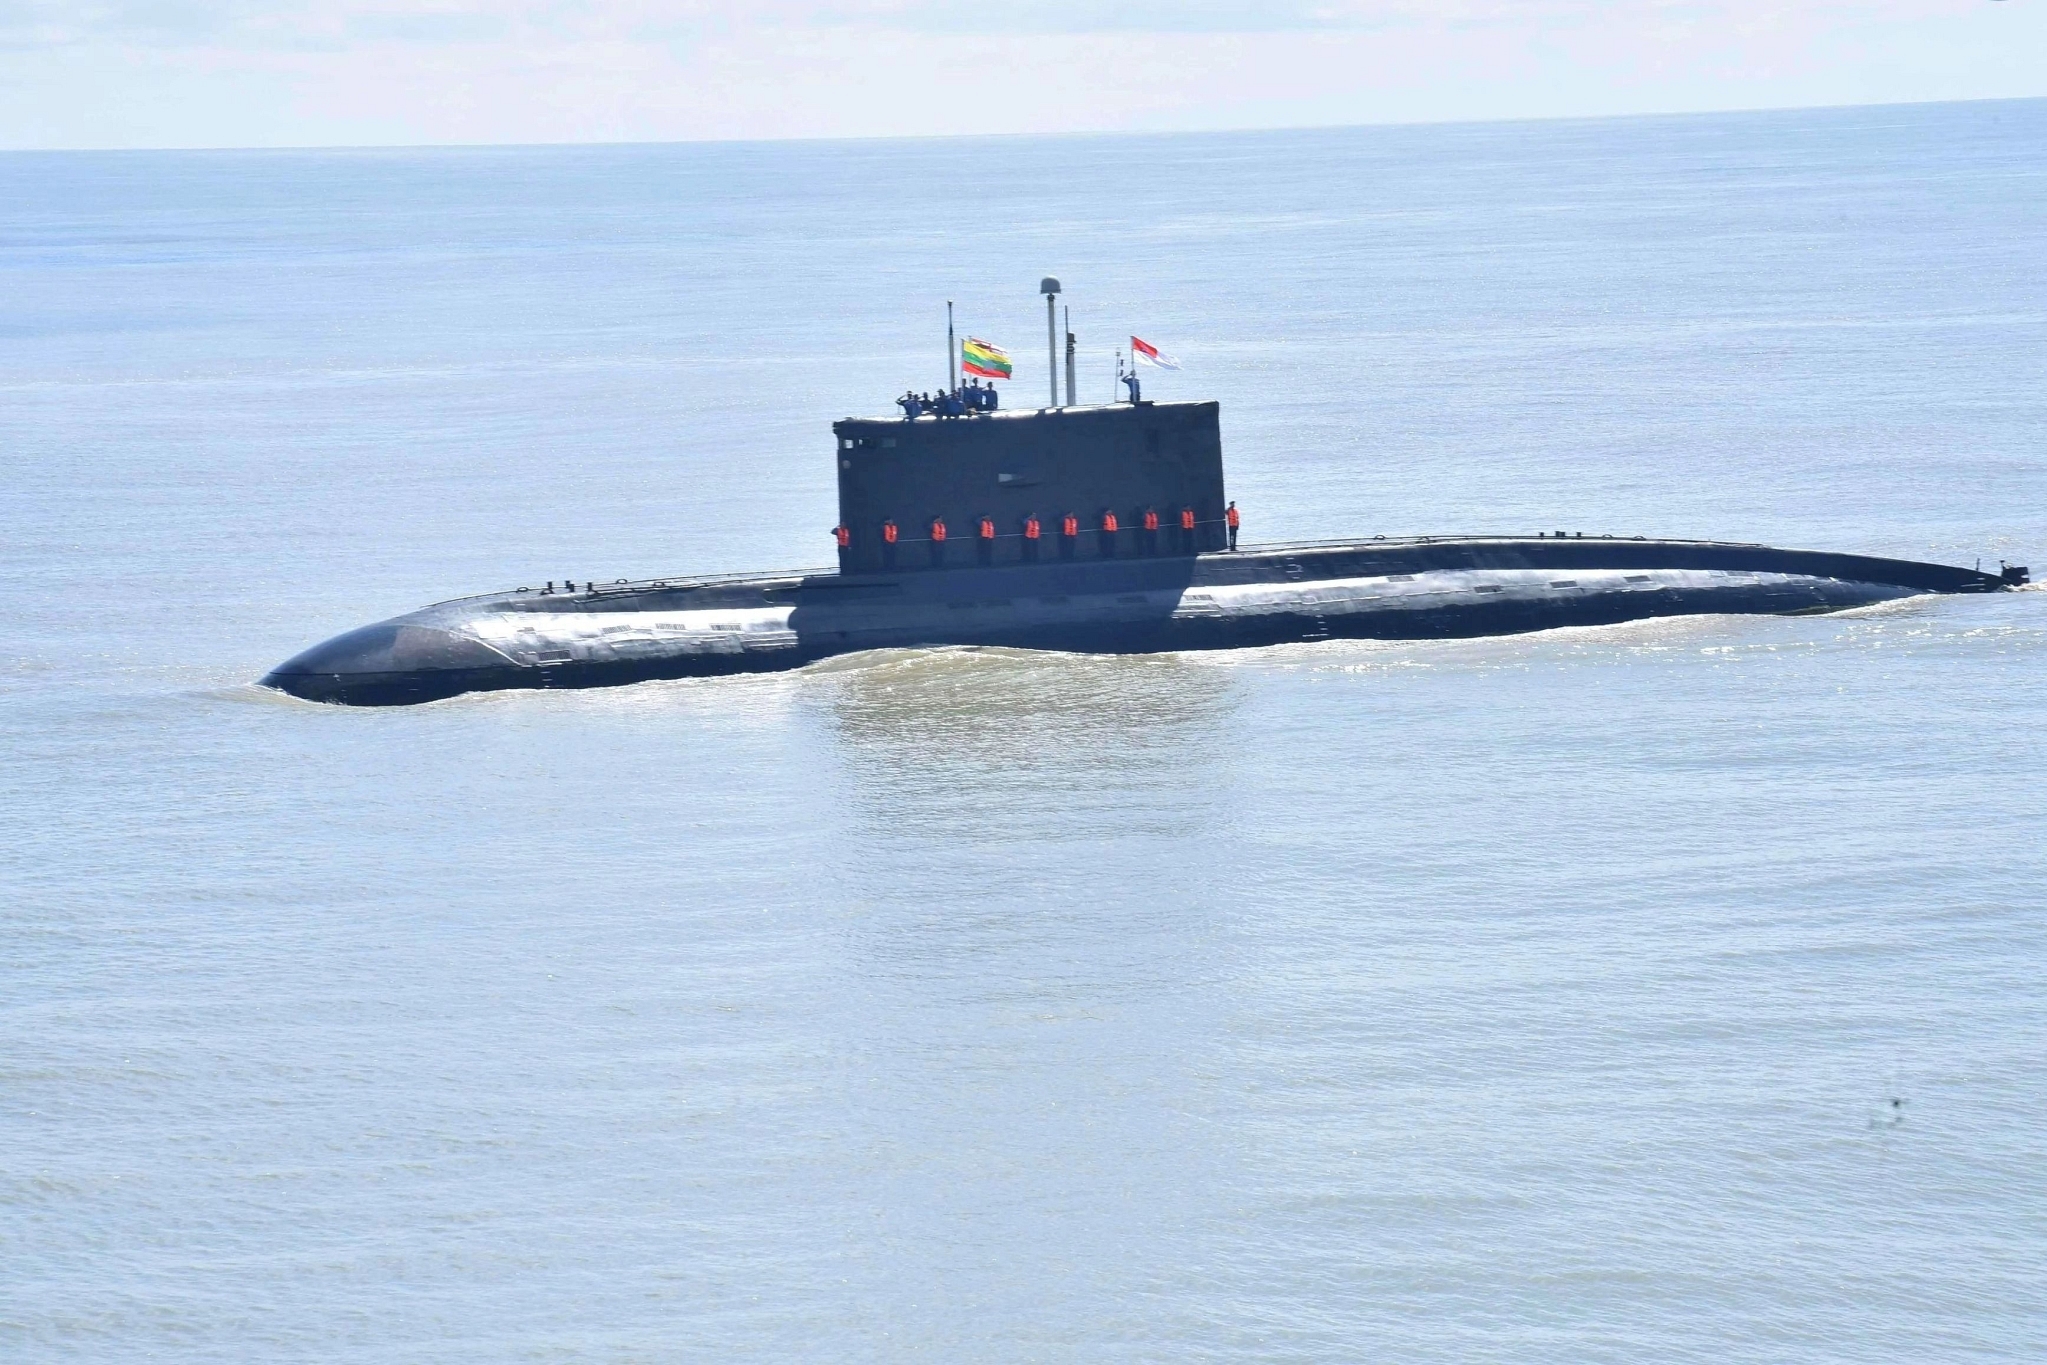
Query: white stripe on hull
542, 639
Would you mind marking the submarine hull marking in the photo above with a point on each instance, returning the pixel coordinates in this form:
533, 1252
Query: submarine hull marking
1254, 598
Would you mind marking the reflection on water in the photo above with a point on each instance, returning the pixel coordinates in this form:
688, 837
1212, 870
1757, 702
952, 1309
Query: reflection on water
1010, 806
945, 726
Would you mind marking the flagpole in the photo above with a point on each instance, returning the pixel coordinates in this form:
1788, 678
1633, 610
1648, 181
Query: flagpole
952, 350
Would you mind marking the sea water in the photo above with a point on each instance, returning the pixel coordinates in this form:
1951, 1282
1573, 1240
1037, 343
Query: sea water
1669, 991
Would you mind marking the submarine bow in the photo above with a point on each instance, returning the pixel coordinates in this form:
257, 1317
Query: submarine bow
393, 662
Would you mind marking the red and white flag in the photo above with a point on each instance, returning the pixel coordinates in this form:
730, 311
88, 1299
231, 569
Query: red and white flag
1143, 350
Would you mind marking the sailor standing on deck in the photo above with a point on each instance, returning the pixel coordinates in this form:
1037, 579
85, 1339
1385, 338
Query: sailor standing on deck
1230, 516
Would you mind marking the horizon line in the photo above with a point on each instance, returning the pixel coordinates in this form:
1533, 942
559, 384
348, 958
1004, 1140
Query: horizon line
1067, 135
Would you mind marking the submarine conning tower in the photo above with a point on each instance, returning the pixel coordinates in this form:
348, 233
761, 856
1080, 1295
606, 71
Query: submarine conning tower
1120, 459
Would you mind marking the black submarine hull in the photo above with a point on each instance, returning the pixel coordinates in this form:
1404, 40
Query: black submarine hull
1424, 588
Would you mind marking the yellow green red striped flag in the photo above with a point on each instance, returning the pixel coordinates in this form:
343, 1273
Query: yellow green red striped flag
978, 357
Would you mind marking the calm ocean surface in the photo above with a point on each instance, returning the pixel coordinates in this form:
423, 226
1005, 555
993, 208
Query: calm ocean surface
1537, 999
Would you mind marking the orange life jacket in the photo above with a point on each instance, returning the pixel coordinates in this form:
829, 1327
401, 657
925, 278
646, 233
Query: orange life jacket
987, 529
888, 532
845, 537
1030, 528
1070, 526
1186, 518
1151, 519
1108, 521
1231, 516
938, 529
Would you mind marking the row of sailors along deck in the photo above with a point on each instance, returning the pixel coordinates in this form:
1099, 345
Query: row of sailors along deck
1149, 536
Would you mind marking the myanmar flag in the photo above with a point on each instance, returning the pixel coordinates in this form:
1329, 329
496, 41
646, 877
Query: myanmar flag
978, 357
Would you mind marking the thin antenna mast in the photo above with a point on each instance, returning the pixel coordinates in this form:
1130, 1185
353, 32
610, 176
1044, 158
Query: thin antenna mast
1049, 287
1070, 399
952, 351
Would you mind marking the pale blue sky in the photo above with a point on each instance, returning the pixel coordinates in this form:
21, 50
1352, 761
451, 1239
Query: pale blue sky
239, 73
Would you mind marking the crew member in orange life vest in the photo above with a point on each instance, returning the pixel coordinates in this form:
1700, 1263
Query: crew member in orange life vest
937, 540
845, 539
1230, 516
1032, 530
1109, 529
987, 540
1069, 535
1187, 530
888, 543
1151, 530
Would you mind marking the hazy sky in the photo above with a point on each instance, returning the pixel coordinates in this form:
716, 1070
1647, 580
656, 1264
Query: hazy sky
156, 73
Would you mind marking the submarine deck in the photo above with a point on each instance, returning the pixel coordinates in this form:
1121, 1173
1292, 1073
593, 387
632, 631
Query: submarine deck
1412, 588
1268, 561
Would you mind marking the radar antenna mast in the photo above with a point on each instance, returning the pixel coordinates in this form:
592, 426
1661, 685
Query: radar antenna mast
1049, 287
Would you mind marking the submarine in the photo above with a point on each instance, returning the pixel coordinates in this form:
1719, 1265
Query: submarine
1100, 528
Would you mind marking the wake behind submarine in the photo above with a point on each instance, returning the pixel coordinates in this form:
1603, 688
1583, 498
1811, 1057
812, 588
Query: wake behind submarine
1088, 528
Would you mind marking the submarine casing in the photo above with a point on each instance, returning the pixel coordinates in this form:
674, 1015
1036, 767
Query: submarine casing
1421, 588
